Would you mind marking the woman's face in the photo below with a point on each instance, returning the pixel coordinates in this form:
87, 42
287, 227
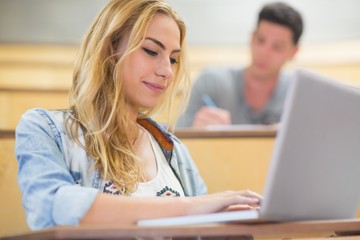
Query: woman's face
151, 68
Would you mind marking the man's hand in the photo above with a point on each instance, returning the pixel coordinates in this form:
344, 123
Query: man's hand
207, 116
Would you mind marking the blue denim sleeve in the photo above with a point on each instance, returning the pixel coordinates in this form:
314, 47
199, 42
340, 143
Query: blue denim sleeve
185, 167
50, 195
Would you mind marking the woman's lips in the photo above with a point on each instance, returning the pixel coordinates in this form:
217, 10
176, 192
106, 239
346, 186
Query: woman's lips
154, 87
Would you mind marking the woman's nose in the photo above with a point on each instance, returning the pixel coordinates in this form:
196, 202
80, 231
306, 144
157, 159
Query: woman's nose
164, 69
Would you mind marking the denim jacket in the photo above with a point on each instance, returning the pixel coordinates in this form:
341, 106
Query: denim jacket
57, 178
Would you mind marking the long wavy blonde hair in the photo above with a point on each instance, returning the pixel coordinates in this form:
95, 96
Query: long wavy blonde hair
97, 97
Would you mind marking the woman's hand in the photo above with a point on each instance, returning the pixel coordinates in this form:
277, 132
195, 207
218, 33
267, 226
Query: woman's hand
128, 210
223, 201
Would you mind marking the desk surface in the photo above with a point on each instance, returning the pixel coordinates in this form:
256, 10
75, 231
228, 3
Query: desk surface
233, 131
345, 227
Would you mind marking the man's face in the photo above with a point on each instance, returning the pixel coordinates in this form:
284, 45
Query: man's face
271, 47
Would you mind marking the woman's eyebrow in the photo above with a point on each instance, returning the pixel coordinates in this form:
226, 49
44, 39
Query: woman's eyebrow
160, 44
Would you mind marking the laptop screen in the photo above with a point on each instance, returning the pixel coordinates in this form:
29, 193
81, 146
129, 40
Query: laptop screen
315, 167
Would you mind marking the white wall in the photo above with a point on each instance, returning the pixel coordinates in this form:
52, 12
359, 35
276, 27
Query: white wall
232, 21
46, 21
210, 22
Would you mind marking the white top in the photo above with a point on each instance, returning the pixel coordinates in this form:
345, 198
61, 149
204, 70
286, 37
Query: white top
164, 183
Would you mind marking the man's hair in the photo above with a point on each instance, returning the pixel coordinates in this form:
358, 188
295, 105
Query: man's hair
283, 14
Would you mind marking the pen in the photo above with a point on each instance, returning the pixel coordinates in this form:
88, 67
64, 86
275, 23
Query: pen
208, 101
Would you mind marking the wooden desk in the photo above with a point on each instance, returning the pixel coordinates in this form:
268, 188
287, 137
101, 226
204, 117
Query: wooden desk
219, 166
235, 131
234, 158
320, 229
12, 215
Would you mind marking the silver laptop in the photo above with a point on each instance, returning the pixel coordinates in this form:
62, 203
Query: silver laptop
314, 173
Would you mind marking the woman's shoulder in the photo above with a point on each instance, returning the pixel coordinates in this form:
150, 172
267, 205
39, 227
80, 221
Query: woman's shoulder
39, 117
51, 115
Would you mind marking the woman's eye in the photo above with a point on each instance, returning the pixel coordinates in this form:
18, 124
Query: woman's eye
173, 61
153, 53
150, 52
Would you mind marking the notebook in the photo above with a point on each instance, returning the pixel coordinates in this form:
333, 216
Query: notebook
314, 173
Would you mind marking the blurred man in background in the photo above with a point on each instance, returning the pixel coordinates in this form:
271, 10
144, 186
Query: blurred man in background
254, 94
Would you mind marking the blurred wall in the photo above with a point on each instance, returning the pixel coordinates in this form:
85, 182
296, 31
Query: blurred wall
232, 21
46, 21
210, 22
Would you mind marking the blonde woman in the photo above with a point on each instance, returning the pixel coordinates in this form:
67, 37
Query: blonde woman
104, 160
